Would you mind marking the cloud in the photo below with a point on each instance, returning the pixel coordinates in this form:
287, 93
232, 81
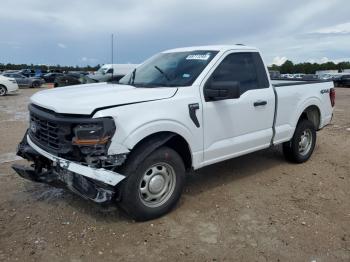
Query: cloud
335, 29
279, 60
60, 45
88, 60
295, 29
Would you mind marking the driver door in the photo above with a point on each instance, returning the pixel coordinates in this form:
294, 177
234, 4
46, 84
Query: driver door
235, 126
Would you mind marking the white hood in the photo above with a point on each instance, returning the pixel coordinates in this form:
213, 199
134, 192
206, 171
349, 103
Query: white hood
84, 99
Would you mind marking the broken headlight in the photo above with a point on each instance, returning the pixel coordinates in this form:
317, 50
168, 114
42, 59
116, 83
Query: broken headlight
91, 134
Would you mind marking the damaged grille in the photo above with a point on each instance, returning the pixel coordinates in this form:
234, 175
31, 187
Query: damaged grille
51, 131
46, 132
54, 132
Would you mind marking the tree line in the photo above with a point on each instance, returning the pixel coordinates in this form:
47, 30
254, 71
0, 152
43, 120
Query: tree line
289, 67
10, 66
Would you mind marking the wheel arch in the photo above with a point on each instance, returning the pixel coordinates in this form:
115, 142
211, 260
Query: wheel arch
313, 114
151, 142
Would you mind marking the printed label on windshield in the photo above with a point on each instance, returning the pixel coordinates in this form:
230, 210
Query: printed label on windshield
198, 57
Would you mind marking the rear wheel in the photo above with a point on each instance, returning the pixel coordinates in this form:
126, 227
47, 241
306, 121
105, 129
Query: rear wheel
300, 148
3, 90
152, 188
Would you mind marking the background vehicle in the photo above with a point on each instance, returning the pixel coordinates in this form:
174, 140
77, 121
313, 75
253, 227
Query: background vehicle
107, 71
342, 81
79, 72
51, 77
182, 109
72, 79
27, 72
288, 76
326, 76
310, 77
298, 76
274, 74
7, 85
24, 81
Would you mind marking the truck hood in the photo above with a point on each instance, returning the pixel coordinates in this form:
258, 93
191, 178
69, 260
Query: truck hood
84, 99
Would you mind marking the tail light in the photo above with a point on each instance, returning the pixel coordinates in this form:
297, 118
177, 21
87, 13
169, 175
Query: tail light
332, 96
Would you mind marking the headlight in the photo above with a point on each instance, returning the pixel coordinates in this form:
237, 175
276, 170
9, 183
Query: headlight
94, 134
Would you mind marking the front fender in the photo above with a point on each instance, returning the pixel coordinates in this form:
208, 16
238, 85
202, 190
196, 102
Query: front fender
153, 127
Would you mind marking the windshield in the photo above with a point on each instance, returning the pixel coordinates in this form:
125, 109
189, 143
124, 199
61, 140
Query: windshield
170, 69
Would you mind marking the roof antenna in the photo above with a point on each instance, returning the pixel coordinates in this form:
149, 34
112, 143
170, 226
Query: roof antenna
112, 46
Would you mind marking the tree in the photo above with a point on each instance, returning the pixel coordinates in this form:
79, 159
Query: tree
287, 67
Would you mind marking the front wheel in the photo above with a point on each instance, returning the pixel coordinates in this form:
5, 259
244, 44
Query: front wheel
300, 148
152, 188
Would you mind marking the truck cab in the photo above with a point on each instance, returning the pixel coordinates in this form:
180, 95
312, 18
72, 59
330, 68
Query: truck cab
134, 142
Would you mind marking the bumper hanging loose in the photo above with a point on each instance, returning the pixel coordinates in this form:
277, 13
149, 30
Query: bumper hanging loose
96, 184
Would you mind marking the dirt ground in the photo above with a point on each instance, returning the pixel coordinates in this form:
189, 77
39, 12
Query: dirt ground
253, 208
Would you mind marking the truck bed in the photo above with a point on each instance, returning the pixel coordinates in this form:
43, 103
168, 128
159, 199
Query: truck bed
292, 101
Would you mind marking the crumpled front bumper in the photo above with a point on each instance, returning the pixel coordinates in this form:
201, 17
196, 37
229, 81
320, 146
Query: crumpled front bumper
96, 184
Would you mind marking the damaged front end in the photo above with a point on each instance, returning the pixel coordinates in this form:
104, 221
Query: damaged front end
71, 153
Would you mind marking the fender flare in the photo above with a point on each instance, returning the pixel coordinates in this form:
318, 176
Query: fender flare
147, 146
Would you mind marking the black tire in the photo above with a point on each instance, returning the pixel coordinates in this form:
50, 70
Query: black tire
35, 84
132, 200
291, 149
3, 90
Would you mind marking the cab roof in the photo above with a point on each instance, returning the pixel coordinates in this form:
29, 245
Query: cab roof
222, 48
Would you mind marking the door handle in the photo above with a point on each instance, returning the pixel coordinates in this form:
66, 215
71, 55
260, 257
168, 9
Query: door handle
260, 103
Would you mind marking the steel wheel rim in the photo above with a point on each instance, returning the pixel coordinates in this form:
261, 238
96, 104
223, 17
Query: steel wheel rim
305, 142
2, 91
157, 185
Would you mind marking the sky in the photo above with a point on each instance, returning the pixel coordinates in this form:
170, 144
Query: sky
78, 32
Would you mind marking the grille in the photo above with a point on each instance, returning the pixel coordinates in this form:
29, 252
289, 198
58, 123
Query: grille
45, 132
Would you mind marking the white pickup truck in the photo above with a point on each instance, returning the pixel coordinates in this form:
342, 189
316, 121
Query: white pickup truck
132, 143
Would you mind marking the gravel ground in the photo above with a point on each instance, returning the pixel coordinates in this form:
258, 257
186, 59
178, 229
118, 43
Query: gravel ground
253, 208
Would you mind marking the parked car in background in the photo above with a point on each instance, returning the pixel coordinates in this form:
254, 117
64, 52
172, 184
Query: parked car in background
342, 80
24, 81
7, 85
40, 73
274, 74
27, 72
51, 77
298, 76
72, 79
326, 77
9, 71
310, 77
287, 76
112, 72
79, 72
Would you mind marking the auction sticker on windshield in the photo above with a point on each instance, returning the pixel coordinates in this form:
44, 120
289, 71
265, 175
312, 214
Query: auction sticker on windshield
198, 57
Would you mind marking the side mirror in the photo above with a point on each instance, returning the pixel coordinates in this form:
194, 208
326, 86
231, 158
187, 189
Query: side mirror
221, 90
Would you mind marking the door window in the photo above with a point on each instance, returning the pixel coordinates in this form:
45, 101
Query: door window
246, 69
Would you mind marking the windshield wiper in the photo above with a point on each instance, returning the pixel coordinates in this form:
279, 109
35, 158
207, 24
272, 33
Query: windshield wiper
162, 72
